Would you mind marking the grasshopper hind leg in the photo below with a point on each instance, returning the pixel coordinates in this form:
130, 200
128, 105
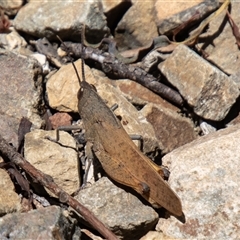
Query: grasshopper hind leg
116, 171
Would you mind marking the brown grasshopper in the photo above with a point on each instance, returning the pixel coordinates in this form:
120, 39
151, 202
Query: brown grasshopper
119, 156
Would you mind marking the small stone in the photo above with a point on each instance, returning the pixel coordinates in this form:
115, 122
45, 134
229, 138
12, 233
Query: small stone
58, 161
46, 19
122, 212
206, 177
206, 127
209, 91
171, 129
60, 119
42, 59
9, 199
45, 223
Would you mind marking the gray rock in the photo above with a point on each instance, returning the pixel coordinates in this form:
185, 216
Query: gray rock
46, 19
171, 129
122, 212
9, 199
206, 177
21, 93
208, 90
60, 162
44, 223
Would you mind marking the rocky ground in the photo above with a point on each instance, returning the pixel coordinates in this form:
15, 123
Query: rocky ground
181, 94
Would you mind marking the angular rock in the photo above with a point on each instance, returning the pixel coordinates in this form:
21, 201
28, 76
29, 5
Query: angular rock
139, 95
172, 15
171, 129
62, 90
138, 19
122, 212
45, 223
21, 93
46, 19
208, 90
9, 199
60, 119
60, 162
205, 175
220, 45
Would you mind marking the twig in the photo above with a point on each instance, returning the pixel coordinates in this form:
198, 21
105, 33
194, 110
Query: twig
235, 29
91, 235
195, 17
8, 151
111, 65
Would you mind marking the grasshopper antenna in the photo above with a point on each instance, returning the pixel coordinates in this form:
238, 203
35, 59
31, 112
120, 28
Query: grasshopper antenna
74, 66
82, 43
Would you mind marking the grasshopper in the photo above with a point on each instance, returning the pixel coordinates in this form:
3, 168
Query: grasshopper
120, 158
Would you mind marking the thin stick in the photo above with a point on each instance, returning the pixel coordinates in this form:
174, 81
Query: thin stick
47, 181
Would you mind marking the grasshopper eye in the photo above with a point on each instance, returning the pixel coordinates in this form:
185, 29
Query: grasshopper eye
80, 93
